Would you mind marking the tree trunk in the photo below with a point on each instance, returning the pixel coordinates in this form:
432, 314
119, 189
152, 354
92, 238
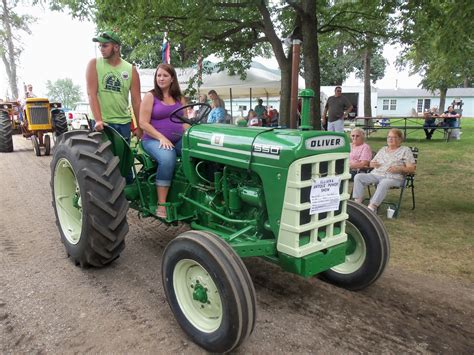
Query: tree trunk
284, 62
311, 58
8, 53
442, 99
367, 91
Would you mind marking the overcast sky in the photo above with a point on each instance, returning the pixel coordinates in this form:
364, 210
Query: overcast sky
61, 47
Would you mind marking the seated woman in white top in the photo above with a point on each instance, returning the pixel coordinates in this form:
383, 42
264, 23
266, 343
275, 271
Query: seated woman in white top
390, 165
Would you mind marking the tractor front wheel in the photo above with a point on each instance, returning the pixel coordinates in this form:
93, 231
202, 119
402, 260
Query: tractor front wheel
88, 198
47, 144
367, 253
36, 145
6, 132
209, 291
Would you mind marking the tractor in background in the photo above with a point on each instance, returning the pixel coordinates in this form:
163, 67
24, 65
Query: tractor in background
269, 192
34, 120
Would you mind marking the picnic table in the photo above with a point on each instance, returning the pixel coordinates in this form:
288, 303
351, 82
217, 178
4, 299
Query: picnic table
406, 124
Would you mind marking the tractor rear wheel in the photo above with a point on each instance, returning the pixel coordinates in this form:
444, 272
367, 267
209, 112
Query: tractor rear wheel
59, 122
367, 252
209, 291
47, 144
36, 145
88, 198
6, 140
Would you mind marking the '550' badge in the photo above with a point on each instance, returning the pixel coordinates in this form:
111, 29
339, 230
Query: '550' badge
266, 149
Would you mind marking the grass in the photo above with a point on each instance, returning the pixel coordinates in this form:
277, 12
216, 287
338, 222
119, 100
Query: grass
437, 237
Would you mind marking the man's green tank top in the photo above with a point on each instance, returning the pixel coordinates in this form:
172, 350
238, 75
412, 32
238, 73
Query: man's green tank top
114, 86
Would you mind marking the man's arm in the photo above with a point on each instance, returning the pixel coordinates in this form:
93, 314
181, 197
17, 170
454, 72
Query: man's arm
92, 90
136, 99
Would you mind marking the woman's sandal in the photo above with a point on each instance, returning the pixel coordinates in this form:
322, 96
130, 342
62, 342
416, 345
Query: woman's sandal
161, 213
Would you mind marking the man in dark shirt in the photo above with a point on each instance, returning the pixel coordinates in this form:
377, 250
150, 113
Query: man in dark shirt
336, 105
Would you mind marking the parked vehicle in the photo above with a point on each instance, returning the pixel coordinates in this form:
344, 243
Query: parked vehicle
78, 117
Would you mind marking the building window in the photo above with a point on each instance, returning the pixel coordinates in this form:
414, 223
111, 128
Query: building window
389, 104
393, 105
423, 105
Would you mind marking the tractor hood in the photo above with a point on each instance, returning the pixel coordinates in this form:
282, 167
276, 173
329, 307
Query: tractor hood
244, 145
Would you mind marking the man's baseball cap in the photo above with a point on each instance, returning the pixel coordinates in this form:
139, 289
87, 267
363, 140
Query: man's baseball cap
107, 36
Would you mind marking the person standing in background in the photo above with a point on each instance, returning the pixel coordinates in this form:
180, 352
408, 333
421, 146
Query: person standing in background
336, 108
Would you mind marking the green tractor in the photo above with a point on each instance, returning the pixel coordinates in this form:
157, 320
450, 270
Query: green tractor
279, 194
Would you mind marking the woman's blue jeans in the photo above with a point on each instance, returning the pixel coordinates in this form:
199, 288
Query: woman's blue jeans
166, 159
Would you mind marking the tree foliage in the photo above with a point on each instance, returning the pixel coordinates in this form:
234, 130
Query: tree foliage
12, 25
64, 91
439, 39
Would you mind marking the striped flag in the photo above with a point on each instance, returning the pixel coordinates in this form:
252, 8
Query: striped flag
165, 50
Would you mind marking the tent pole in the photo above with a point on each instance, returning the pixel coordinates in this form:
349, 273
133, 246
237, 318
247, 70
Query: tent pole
250, 106
231, 112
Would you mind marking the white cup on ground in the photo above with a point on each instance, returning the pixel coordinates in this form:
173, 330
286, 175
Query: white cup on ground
390, 212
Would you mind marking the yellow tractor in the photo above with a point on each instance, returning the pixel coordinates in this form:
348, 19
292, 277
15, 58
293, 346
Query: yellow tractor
39, 117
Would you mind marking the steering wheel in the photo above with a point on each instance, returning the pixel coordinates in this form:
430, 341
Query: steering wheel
180, 115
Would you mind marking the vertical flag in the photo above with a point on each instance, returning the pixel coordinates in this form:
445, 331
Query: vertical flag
165, 50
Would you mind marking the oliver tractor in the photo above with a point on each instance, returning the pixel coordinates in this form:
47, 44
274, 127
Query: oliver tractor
39, 117
279, 194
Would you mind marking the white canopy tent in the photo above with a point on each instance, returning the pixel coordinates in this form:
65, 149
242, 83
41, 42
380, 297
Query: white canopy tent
260, 82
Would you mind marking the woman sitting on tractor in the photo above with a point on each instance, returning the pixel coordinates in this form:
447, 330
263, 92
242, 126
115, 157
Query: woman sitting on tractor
162, 137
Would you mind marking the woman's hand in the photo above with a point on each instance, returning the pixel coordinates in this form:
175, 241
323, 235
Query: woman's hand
165, 143
397, 169
375, 164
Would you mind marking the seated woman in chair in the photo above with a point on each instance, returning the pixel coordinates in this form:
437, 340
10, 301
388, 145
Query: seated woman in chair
361, 154
162, 138
390, 165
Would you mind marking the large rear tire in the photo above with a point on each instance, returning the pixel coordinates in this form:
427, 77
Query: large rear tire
88, 198
59, 122
367, 253
6, 132
209, 291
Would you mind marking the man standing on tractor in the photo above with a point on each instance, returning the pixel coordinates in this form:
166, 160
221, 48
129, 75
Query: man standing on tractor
109, 81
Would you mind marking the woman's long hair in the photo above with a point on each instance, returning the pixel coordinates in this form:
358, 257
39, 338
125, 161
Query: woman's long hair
175, 90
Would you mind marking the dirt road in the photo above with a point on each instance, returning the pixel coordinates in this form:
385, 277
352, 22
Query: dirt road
48, 305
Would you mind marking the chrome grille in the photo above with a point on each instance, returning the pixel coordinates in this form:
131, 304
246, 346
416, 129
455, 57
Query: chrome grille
39, 115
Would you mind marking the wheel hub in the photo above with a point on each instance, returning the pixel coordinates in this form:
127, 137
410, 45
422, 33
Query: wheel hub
200, 292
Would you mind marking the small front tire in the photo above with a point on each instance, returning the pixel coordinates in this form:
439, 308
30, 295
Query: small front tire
209, 291
368, 250
36, 145
47, 144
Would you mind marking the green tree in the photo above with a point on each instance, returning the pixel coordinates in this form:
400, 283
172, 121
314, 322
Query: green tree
439, 39
64, 91
11, 26
234, 31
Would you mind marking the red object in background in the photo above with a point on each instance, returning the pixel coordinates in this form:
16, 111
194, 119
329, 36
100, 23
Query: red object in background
255, 122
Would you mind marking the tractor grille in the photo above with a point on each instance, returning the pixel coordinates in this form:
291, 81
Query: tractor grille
39, 114
300, 233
